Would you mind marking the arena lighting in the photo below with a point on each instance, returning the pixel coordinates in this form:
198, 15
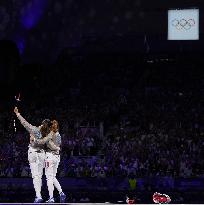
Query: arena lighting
183, 24
33, 13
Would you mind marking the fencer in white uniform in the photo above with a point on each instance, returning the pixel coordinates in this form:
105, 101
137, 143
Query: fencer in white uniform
36, 153
52, 160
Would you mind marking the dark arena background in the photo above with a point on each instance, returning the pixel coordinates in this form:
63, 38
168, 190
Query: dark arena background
128, 96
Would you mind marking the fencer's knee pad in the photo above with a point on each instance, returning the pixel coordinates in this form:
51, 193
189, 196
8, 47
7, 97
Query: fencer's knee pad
37, 177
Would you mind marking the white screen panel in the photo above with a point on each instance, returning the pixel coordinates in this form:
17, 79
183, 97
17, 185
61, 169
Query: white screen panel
183, 24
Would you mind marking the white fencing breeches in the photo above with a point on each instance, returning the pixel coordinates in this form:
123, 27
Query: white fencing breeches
36, 161
51, 164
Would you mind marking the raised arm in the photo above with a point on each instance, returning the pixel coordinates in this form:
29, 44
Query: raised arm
30, 128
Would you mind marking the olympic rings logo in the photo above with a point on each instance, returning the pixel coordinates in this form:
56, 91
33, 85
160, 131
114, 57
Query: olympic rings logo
183, 23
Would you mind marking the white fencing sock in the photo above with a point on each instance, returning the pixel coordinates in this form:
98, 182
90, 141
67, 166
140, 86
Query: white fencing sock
50, 186
57, 185
37, 186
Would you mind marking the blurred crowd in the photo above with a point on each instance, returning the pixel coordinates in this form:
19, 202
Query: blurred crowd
131, 122
158, 134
